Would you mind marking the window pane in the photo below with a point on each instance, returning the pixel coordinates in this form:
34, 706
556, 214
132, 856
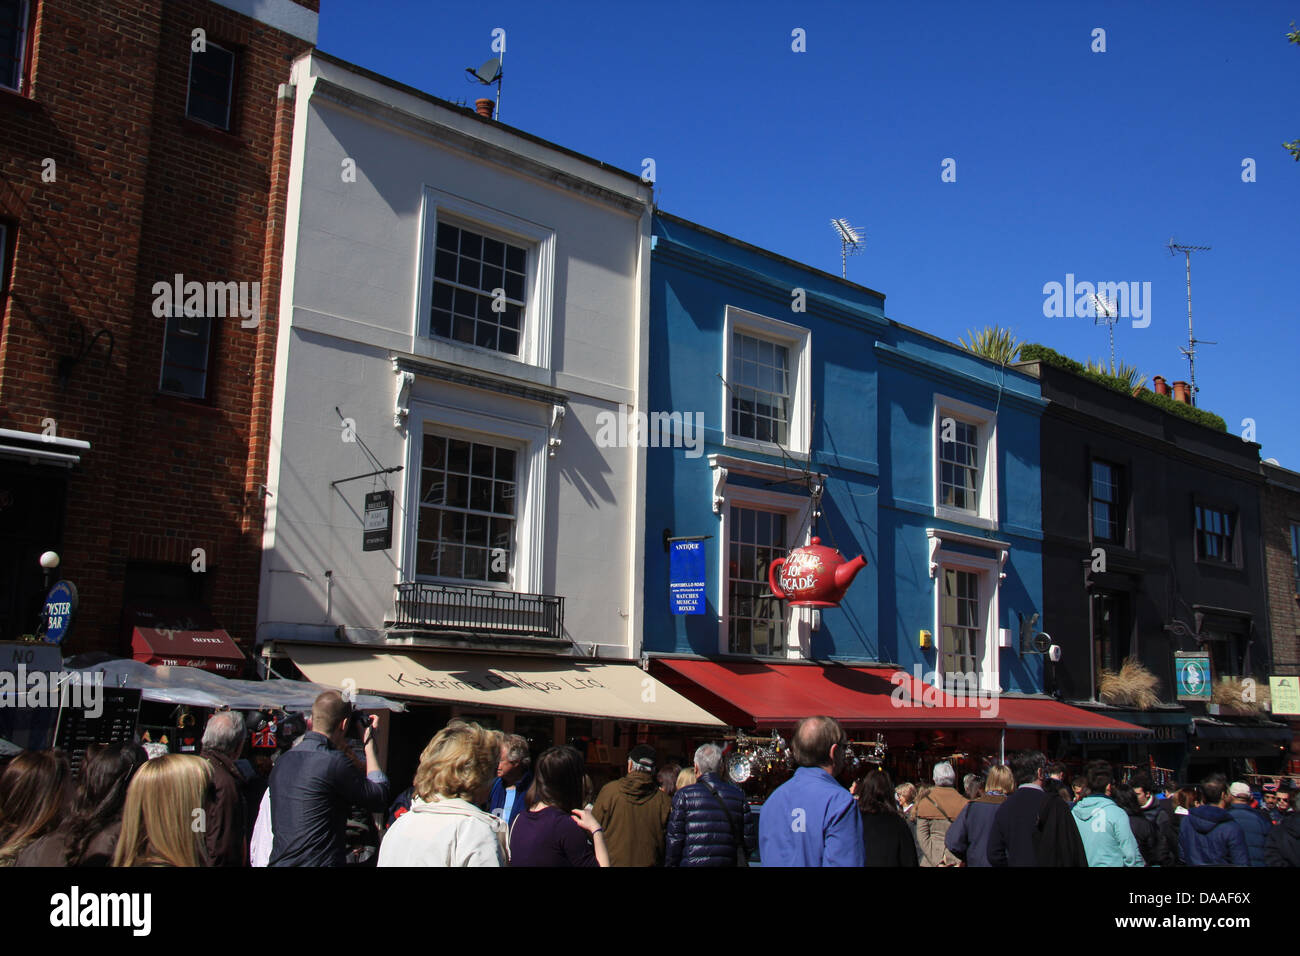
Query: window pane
211, 80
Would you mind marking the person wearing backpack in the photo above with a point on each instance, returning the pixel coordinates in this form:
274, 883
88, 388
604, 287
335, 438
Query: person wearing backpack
710, 823
1034, 827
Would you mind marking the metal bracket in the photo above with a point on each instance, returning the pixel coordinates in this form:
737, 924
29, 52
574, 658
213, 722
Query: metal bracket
719, 489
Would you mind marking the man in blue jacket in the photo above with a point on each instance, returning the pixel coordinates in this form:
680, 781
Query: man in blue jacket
1209, 836
514, 777
1255, 827
811, 819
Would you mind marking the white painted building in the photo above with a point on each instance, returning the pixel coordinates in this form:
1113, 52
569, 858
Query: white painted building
469, 298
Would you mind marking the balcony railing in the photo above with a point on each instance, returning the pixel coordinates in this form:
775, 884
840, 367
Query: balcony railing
474, 610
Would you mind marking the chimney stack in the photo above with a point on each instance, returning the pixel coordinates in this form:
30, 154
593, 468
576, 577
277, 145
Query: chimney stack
484, 107
1162, 387
1182, 393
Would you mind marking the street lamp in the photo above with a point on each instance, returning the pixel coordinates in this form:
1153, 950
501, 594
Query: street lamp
49, 561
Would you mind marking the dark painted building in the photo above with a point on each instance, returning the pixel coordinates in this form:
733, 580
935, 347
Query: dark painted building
1282, 562
1153, 549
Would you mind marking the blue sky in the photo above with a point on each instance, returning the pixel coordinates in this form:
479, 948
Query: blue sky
1067, 160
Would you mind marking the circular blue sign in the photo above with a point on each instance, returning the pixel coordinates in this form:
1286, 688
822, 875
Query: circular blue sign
60, 605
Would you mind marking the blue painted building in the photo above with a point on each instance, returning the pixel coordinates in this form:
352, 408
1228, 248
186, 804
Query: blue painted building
928, 458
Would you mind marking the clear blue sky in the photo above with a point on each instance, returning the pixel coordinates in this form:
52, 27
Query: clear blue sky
1067, 161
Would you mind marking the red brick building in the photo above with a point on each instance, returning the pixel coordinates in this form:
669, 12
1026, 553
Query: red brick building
141, 142
1281, 518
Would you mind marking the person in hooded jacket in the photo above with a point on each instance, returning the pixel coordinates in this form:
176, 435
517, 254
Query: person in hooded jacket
1160, 813
1209, 836
710, 819
634, 812
968, 837
1144, 831
1255, 826
1104, 828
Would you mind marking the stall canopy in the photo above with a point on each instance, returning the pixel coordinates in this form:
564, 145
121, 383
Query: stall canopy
183, 638
200, 688
1040, 713
550, 685
778, 695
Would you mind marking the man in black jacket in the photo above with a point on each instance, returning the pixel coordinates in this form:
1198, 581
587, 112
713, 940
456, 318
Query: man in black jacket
1034, 827
1160, 815
315, 785
225, 834
710, 819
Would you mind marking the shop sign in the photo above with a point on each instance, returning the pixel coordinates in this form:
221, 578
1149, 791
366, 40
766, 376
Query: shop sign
686, 585
1159, 734
1192, 673
378, 534
1285, 692
60, 606
813, 576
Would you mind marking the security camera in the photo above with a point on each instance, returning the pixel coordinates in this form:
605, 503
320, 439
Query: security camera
1054, 653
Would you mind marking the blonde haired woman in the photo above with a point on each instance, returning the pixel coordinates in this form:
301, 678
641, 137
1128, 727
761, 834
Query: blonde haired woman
443, 826
158, 817
686, 777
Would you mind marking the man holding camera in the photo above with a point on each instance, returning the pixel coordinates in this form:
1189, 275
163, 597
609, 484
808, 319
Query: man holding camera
315, 785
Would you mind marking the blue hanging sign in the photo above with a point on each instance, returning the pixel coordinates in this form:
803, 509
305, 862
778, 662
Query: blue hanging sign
1192, 674
686, 576
60, 605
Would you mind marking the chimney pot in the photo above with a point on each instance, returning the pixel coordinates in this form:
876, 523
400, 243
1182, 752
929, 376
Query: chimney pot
1182, 393
484, 107
1162, 387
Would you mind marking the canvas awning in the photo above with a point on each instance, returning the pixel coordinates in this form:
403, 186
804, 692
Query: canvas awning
578, 687
1035, 713
756, 694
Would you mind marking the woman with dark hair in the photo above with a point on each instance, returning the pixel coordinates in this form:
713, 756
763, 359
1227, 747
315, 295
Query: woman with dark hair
556, 830
886, 837
32, 792
1144, 830
88, 836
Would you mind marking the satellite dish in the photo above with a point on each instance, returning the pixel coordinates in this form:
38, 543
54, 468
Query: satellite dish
489, 72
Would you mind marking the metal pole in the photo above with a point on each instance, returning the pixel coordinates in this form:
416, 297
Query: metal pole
1191, 339
1003, 748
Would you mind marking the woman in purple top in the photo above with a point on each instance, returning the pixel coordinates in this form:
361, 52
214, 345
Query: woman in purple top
555, 830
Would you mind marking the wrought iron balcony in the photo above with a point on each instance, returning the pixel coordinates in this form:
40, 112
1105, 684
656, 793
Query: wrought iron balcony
479, 611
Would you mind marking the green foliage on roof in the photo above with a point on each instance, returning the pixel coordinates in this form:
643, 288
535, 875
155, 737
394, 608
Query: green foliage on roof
1033, 352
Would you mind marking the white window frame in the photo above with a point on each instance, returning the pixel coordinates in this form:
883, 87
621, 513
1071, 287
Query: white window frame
796, 625
986, 650
530, 442
985, 420
230, 86
539, 283
24, 40
798, 340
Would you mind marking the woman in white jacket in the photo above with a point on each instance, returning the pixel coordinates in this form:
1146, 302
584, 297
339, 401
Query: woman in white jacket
443, 826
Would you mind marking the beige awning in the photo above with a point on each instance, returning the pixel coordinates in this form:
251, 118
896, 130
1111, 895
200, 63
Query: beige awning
550, 685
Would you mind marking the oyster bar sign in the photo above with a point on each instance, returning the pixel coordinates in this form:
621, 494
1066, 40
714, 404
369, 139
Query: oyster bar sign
813, 576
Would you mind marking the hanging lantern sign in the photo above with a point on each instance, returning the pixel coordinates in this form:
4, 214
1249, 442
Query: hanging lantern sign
813, 575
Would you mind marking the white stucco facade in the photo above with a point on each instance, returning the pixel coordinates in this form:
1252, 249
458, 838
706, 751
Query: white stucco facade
376, 170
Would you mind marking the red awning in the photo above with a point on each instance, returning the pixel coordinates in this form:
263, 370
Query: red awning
210, 650
777, 695
1022, 713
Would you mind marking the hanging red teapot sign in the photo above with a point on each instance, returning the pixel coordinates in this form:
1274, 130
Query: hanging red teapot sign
813, 575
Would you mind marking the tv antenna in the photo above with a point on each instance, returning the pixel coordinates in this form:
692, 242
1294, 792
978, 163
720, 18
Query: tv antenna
489, 73
1192, 340
1106, 312
851, 242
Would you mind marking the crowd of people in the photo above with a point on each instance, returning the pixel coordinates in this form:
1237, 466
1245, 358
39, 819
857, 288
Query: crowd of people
479, 798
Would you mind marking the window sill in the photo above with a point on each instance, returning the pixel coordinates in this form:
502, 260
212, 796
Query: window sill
965, 517
19, 100
763, 447
1221, 565
221, 136
178, 403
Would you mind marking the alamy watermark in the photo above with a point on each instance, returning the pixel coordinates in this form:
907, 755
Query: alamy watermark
212, 300
77, 689
960, 689
1127, 300
626, 429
